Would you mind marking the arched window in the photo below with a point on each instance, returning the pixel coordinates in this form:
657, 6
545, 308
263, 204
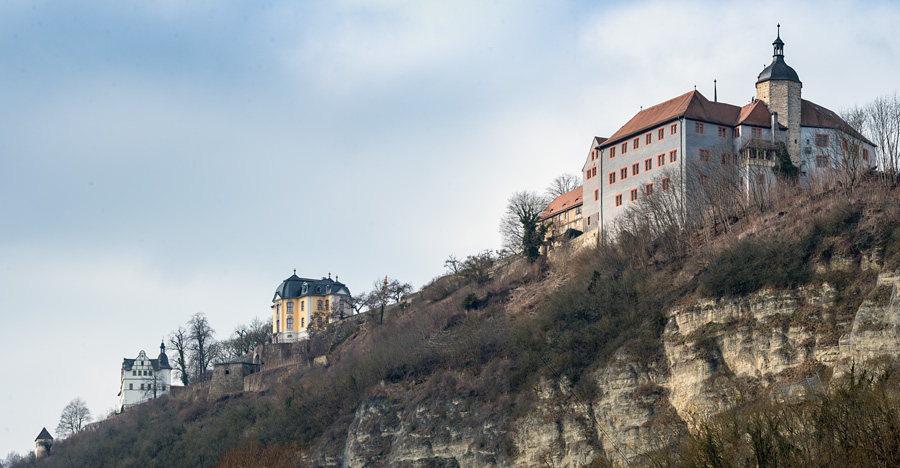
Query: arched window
290, 323
290, 307
326, 304
319, 304
302, 322
302, 305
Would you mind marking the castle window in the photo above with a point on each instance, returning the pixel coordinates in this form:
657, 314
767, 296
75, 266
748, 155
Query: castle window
736, 132
648, 189
865, 154
623, 173
624, 147
704, 155
821, 161
755, 133
227, 372
612, 177
633, 194
660, 134
673, 129
587, 175
761, 179
635, 169
661, 160
647, 138
612, 152
698, 127
594, 172
821, 140
723, 132
636, 143
597, 194
648, 164
673, 156
619, 200
704, 180
290, 307
725, 158
665, 183
290, 323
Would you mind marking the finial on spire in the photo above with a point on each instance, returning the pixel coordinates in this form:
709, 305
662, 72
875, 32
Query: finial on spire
779, 30
778, 45
295, 271
715, 92
329, 275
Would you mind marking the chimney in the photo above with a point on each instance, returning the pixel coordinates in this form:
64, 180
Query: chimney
715, 92
774, 127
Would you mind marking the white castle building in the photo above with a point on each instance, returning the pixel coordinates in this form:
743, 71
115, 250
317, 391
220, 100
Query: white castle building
143, 378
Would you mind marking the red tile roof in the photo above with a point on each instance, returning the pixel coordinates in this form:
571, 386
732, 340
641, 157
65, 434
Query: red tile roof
757, 114
566, 201
814, 115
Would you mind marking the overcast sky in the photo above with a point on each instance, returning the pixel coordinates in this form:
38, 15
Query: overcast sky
161, 158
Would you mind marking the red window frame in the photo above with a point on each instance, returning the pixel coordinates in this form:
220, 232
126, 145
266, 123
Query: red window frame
755, 133
704, 180
698, 127
821, 140
648, 189
821, 161
664, 183
865, 154
725, 159
673, 129
612, 152
661, 134
635, 169
596, 194
736, 132
760, 179
624, 147
673, 156
619, 200
723, 132
612, 177
587, 175
648, 164
636, 143
661, 160
623, 173
594, 171
648, 138
704, 155
634, 194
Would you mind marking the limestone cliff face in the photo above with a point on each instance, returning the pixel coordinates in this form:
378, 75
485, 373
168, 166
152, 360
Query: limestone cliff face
713, 351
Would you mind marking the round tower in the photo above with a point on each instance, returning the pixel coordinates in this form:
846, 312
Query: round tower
42, 444
779, 87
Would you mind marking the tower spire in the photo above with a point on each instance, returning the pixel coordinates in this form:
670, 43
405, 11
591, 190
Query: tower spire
778, 45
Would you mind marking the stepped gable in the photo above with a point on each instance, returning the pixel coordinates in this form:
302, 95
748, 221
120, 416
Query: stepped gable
562, 203
691, 105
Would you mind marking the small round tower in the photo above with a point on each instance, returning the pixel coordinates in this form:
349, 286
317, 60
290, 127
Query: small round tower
42, 444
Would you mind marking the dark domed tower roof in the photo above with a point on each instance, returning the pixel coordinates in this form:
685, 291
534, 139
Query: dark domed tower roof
291, 287
163, 358
778, 69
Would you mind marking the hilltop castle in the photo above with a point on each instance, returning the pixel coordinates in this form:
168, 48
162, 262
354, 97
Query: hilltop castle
301, 304
687, 142
143, 379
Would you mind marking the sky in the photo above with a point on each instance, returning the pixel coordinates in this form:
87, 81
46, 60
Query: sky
162, 158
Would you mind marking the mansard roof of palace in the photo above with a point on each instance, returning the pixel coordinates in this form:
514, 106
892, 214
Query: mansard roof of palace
814, 115
293, 287
566, 201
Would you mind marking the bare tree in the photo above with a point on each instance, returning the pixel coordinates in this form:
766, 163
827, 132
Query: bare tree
563, 183
882, 124
246, 337
397, 290
520, 226
453, 264
178, 340
74, 417
202, 345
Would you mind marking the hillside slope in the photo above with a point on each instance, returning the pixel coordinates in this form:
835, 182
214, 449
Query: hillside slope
601, 356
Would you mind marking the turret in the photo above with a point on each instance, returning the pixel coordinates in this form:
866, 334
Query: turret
42, 444
778, 85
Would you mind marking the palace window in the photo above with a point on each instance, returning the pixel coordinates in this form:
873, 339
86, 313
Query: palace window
619, 200
673, 156
612, 177
319, 304
821, 140
597, 193
290, 307
134, 372
648, 164
290, 323
673, 129
623, 173
698, 127
329, 302
278, 308
647, 138
661, 134
636, 143
633, 194
661, 160
664, 183
319, 321
612, 152
302, 305
635, 169
302, 322
648, 189
723, 132
821, 160
865, 154
142, 386
755, 133
704, 155
131, 386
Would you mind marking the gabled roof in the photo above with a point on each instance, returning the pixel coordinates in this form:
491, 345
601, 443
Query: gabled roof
598, 141
566, 201
128, 364
814, 115
43, 435
692, 105
757, 114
